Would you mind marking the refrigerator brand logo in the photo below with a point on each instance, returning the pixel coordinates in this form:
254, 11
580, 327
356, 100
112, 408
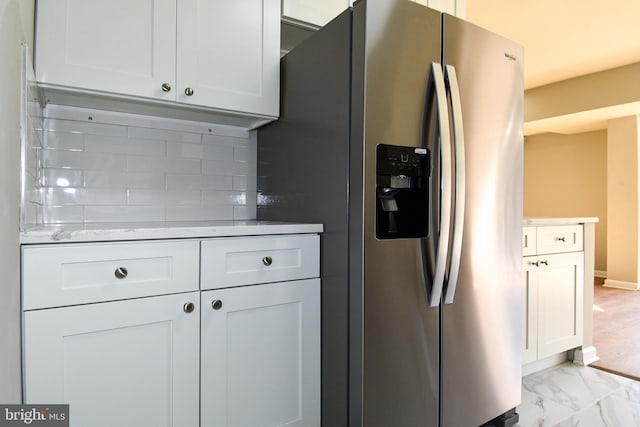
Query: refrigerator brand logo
37, 415
509, 56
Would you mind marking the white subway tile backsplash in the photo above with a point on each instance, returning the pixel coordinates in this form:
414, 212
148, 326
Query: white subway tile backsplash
62, 178
180, 150
164, 197
163, 134
63, 140
191, 182
62, 214
153, 164
244, 183
81, 160
99, 166
123, 213
224, 198
110, 144
85, 126
199, 213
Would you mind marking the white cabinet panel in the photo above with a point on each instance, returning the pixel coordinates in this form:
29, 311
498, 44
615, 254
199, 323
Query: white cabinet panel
249, 260
554, 290
58, 275
119, 46
261, 355
557, 239
530, 313
216, 54
528, 241
127, 363
229, 54
560, 303
315, 12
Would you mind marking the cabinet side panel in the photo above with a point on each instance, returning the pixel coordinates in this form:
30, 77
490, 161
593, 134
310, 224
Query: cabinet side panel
303, 176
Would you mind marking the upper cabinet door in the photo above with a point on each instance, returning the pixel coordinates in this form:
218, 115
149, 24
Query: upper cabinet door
229, 54
117, 46
314, 12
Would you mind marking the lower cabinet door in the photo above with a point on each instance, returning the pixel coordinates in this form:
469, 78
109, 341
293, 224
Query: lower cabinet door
530, 311
126, 363
260, 355
560, 302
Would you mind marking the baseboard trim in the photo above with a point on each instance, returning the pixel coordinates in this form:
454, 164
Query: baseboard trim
548, 362
584, 356
600, 273
618, 284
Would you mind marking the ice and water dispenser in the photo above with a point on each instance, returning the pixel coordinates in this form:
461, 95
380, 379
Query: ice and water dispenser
402, 192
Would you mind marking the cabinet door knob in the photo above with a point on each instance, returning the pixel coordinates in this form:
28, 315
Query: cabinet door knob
216, 304
535, 263
166, 87
560, 239
188, 307
121, 273
188, 91
267, 261
544, 263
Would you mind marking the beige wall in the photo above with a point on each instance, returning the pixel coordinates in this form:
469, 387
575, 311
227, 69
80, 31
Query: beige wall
16, 26
622, 250
566, 176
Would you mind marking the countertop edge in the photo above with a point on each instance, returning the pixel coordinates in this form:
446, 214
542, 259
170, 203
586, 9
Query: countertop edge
154, 231
560, 221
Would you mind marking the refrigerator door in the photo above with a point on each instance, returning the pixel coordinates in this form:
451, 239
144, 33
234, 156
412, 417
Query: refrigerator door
481, 342
400, 340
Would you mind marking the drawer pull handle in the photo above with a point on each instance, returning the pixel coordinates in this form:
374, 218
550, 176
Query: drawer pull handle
121, 273
535, 263
267, 261
560, 239
544, 263
216, 304
188, 307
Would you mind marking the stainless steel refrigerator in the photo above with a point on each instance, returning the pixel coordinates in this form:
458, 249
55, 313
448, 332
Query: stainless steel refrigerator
401, 132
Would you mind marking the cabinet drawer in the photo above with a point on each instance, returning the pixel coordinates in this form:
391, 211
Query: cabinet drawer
528, 241
249, 260
60, 275
557, 239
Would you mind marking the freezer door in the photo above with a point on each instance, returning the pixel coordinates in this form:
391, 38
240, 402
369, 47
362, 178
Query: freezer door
395, 43
481, 343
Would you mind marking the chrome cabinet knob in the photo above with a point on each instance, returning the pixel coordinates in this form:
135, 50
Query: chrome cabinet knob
166, 87
534, 263
216, 304
544, 263
121, 273
560, 239
267, 261
188, 307
188, 91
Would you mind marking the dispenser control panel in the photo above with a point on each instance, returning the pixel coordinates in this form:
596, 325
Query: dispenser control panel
402, 192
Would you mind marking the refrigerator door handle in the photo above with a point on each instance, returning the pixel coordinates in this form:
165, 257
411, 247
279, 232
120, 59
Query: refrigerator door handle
459, 190
445, 187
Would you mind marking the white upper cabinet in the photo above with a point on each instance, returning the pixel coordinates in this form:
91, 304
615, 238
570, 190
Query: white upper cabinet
314, 12
119, 46
215, 54
229, 54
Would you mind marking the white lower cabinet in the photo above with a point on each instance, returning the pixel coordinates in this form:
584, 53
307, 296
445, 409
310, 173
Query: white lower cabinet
261, 355
122, 363
240, 356
554, 294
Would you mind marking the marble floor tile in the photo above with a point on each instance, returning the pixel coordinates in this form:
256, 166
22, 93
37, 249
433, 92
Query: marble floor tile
574, 396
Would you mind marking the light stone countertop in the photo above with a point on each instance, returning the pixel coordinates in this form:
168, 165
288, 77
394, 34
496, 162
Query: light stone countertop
101, 232
559, 220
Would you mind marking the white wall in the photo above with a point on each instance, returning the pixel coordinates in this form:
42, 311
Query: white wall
16, 26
